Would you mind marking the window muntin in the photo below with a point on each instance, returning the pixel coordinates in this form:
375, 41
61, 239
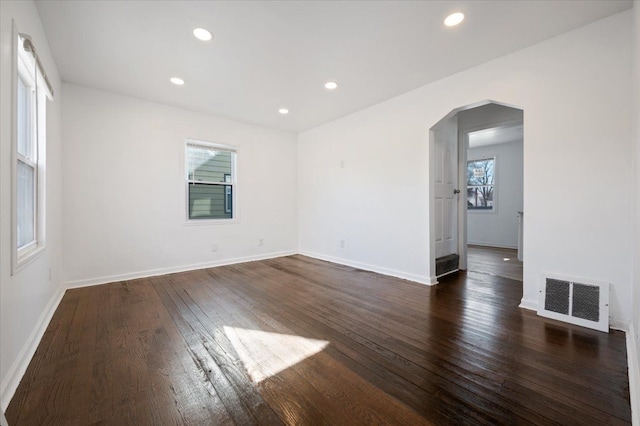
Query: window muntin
481, 184
210, 181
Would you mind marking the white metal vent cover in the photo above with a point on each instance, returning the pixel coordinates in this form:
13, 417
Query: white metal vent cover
576, 301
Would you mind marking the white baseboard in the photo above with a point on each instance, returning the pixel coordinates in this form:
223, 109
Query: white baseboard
619, 325
19, 367
380, 270
496, 245
174, 269
634, 374
531, 304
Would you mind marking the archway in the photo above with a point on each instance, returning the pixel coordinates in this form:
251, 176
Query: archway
487, 123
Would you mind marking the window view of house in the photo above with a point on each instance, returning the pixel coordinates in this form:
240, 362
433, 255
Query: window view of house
210, 182
480, 184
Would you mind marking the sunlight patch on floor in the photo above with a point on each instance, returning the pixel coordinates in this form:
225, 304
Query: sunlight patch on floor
265, 354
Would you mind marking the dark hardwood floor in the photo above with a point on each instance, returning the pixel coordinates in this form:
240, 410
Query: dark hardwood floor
501, 262
299, 341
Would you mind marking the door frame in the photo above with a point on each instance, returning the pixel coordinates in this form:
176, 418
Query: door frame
463, 146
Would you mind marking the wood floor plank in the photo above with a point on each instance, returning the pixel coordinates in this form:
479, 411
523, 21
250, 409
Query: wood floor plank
439, 382
498, 261
243, 402
296, 340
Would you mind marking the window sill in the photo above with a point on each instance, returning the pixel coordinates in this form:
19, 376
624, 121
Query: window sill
482, 212
207, 222
23, 259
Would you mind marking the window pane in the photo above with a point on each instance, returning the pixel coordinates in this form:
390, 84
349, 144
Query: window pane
25, 204
23, 131
210, 201
208, 165
480, 198
480, 172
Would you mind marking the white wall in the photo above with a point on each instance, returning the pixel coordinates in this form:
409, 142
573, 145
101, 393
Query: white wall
28, 298
574, 90
634, 364
636, 275
499, 228
124, 199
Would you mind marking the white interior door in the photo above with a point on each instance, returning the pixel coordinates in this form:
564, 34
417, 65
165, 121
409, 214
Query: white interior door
446, 182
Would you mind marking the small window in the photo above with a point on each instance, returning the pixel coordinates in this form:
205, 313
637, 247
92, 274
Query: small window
481, 184
210, 181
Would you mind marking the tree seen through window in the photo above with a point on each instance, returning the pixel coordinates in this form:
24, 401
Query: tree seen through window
480, 184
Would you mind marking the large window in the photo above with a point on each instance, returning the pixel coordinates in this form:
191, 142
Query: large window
211, 181
481, 184
31, 92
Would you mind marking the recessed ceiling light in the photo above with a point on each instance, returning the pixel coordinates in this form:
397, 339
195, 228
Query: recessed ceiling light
331, 85
202, 34
177, 81
283, 111
454, 19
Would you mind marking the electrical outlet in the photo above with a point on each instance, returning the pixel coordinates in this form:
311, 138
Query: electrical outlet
341, 243
214, 247
342, 164
260, 242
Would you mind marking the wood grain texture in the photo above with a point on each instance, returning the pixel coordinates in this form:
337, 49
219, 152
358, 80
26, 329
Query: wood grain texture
296, 340
501, 262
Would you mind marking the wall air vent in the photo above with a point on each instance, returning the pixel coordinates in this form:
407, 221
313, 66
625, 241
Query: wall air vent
576, 301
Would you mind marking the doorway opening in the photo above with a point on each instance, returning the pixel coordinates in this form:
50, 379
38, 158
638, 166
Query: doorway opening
476, 182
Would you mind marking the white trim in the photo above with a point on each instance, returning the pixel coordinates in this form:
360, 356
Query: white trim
463, 142
494, 245
27, 257
432, 209
497, 125
531, 304
174, 269
619, 325
235, 213
208, 145
19, 367
372, 268
634, 374
21, 257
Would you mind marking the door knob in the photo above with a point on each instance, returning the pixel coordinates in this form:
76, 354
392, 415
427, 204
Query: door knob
456, 191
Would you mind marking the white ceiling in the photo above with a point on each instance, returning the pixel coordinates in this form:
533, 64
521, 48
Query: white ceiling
496, 135
271, 54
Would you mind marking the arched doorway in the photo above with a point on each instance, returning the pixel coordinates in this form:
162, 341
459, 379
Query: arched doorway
484, 191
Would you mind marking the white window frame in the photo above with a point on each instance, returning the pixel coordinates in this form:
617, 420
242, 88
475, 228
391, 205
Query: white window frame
24, 66
494, 208
232, 181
